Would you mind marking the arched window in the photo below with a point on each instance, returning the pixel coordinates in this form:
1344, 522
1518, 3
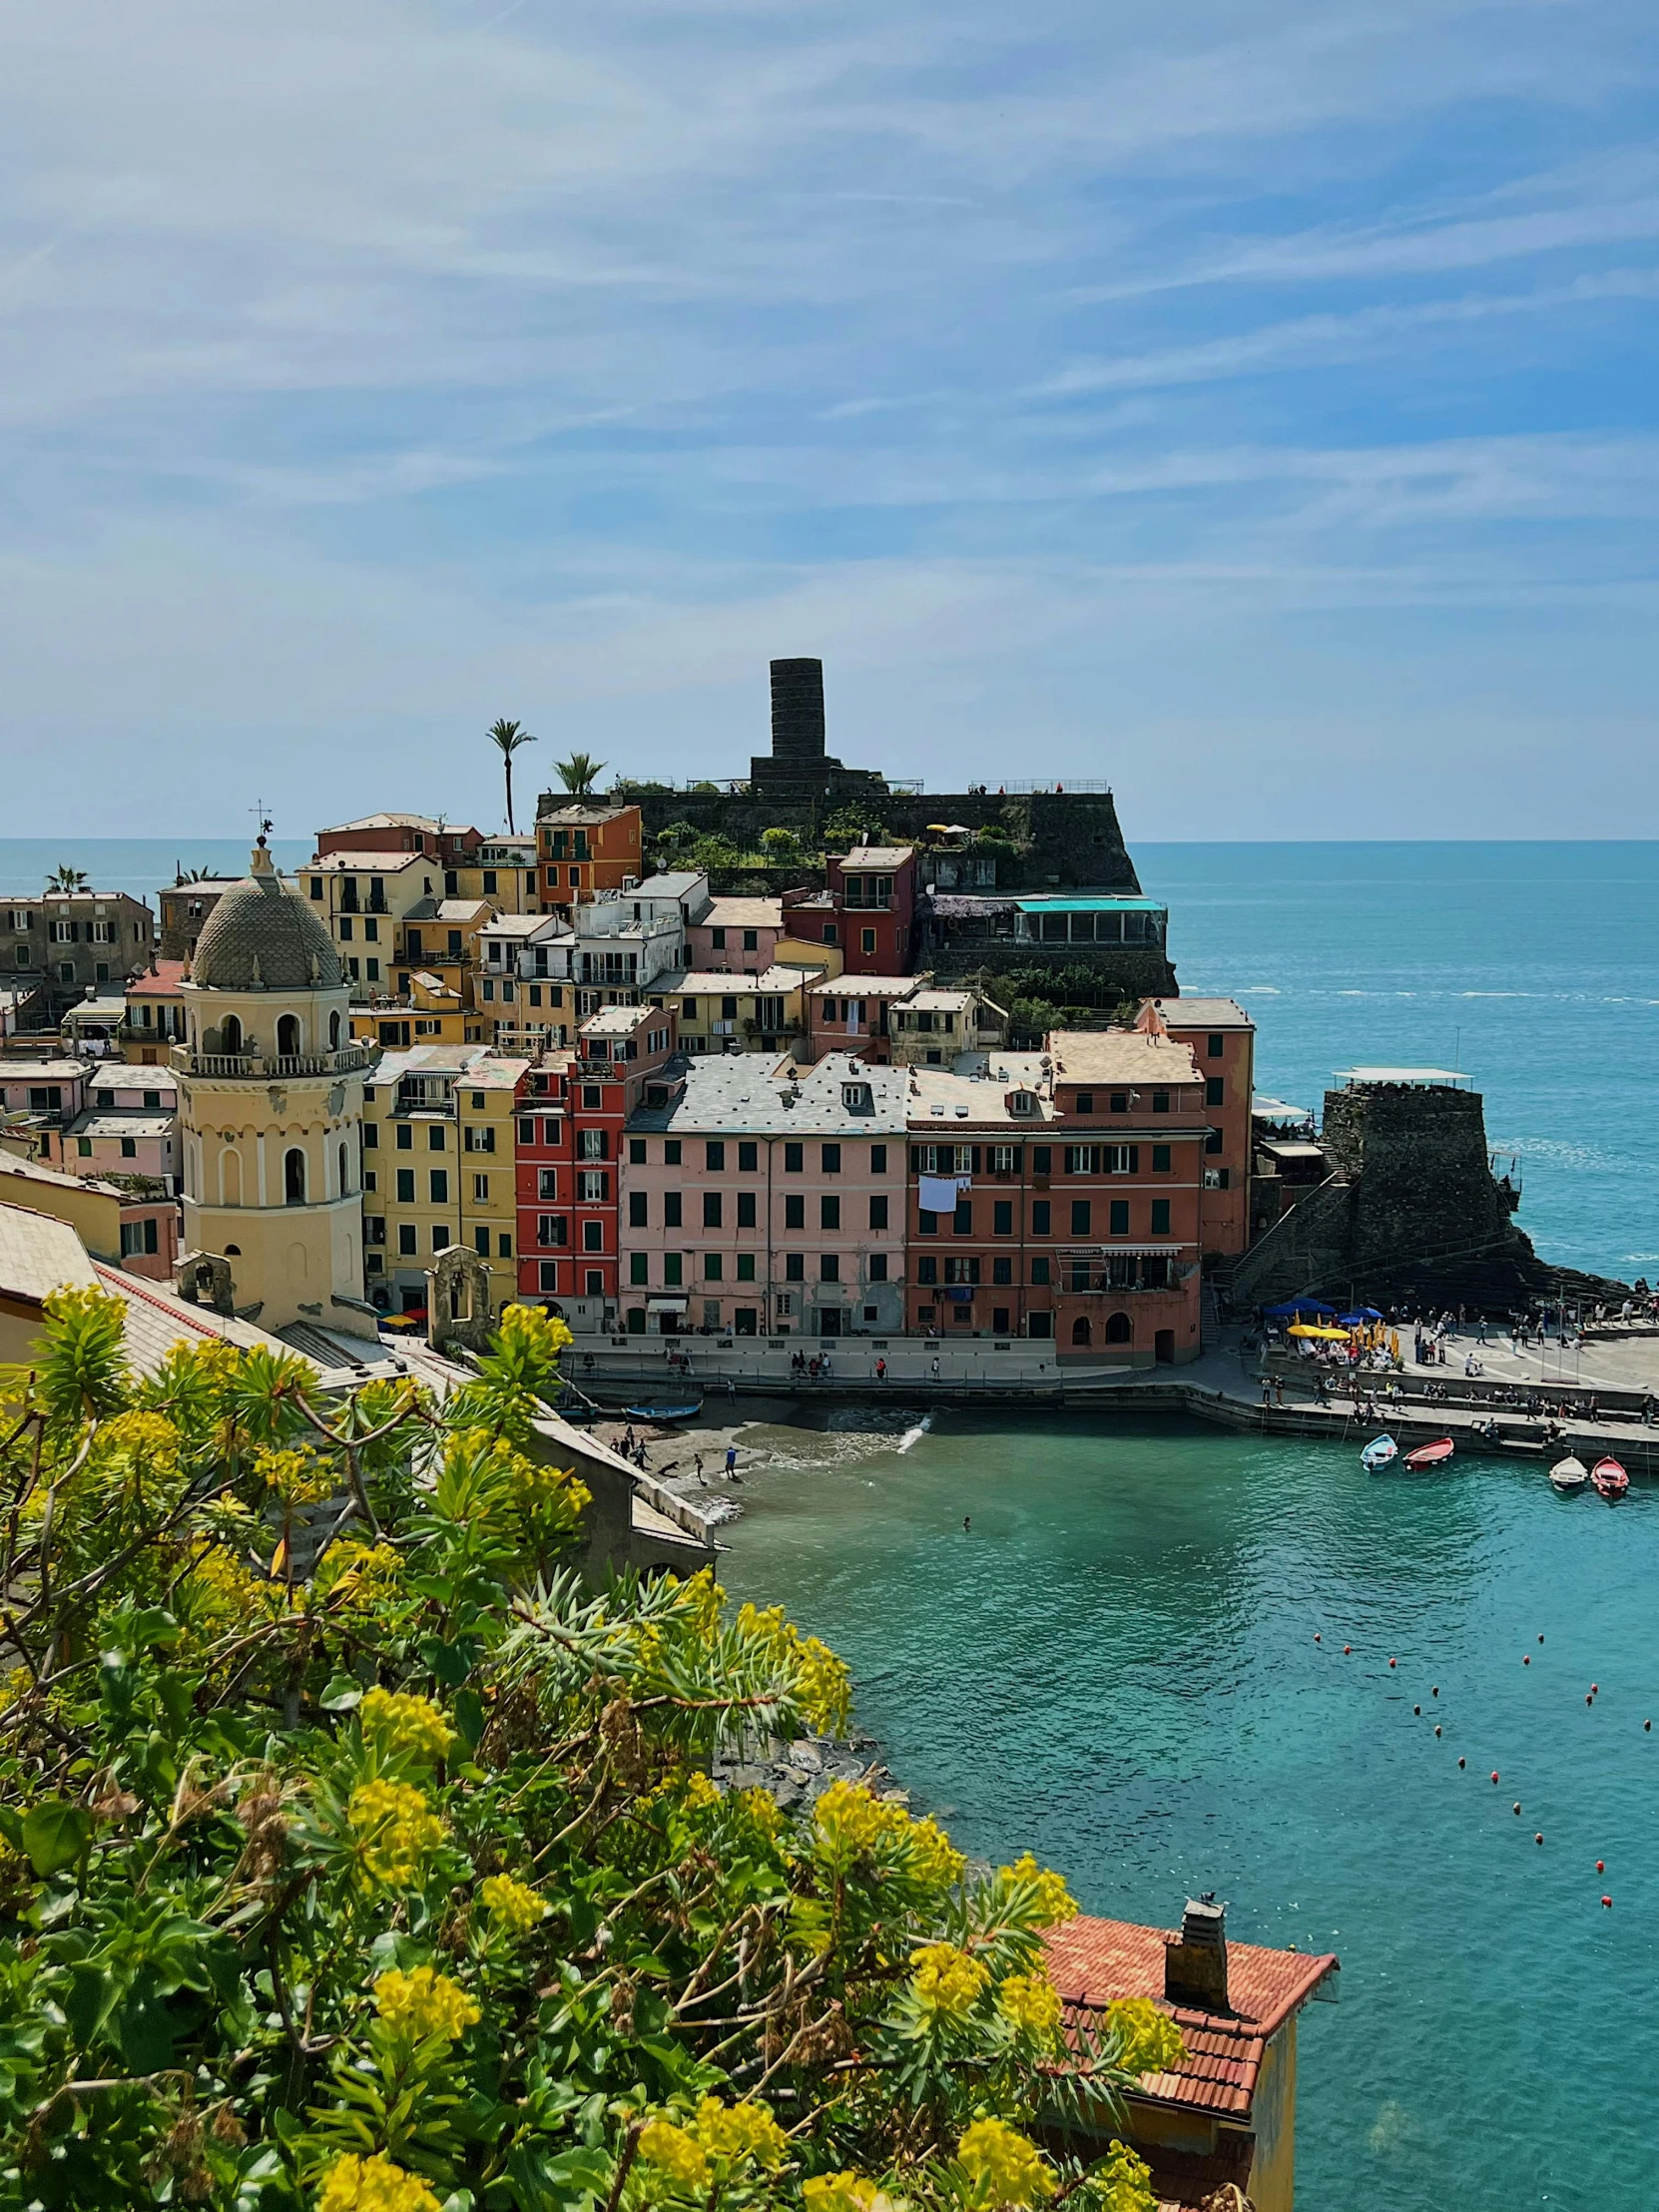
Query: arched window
1080, 1329
1120, 1330
287, 1036
345, 1186
230, 1034
294, 1178
232, 1252
333, 1032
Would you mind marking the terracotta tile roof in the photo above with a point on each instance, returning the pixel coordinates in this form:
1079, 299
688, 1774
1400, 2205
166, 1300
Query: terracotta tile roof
1093, 1961
161, 981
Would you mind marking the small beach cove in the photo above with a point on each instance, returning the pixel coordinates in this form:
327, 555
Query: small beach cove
1117, 1667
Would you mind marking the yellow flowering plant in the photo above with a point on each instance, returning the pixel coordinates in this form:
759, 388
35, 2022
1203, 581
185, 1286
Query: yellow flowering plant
408, 1873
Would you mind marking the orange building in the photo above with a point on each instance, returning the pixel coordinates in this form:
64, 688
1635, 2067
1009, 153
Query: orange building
585, 849
1226, 2114
1222, 1039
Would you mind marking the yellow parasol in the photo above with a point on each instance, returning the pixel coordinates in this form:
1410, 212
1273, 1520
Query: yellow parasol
1314, 1329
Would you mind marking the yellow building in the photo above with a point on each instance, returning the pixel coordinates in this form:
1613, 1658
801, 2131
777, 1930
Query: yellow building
432, 1011
739, 1013
438, 1168
363, 901
271, 1092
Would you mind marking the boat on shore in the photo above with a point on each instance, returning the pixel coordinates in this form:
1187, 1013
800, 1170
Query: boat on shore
1377, 1453
1569, 1476
666, 1415
1610, 1479
1433, 1454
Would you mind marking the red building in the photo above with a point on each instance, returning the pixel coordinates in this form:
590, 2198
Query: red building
570, 1140
868, 909
1062, 1203
1222, 1039
451, 844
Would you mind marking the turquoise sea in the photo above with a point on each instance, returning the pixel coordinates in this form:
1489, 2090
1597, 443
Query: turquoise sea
1117, 1666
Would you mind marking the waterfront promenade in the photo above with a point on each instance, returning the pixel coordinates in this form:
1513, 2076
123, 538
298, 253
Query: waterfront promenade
1223, 1387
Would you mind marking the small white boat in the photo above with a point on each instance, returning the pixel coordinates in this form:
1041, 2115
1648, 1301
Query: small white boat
1569, 1476
1377, 1453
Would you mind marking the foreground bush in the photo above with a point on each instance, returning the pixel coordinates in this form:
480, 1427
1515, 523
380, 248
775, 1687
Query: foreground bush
356, 1859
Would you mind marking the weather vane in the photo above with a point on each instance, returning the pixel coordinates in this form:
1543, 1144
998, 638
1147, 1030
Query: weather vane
259, 810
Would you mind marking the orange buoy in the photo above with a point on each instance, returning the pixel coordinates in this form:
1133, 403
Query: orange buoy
1393, 1662
1600, 1866
1607, 1901
1526, 1658
1347, 1647
1494, 1774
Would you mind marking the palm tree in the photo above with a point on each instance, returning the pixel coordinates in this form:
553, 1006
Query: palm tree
68, 880
579, 773
509, 736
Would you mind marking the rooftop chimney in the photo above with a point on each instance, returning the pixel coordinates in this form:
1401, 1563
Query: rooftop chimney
1195, 1961
798, 711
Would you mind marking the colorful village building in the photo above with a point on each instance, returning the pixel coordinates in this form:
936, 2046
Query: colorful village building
586, 848
1225, 2118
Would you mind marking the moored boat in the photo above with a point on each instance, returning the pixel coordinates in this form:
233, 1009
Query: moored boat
1610, 1479
681, 1410
1377, 1453
1434, 1454
1569, 1476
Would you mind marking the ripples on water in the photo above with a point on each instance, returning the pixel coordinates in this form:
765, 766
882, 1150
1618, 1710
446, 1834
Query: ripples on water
1117, 1668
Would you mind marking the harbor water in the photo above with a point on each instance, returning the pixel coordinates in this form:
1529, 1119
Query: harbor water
1115, 1666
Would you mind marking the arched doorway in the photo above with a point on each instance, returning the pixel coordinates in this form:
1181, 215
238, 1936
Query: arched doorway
345, 1186
333, 1032
287, 1037
294, 1177
1120, 1330
1081, 1334
230, 1034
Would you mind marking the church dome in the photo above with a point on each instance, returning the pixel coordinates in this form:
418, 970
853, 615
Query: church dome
260, 936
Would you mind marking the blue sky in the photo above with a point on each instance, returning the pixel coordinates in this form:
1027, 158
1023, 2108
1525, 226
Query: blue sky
1252, 405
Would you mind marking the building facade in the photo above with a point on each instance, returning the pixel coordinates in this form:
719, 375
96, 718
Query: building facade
1222, 1039
70, 942
270, 1107
586, 849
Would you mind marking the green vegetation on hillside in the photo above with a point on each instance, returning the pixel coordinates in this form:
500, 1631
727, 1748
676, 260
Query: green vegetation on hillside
354, 1858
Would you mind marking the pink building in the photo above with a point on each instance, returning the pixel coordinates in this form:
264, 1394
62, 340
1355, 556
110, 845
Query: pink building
761, 1204
737, 937
852, 1013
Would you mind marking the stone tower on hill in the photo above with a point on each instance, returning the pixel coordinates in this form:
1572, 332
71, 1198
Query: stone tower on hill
270, 1099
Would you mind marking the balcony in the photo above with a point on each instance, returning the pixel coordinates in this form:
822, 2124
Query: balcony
351, 1060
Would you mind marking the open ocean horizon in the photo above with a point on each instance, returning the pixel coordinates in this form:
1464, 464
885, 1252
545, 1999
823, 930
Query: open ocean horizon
1534, 966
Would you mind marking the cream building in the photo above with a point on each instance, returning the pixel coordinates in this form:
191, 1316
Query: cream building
271, 1106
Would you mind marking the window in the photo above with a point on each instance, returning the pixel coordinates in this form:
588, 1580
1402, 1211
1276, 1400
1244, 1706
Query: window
1004, 1159
671, 1151
406, 1237
1215, 1045
795, 1267
1214, 1141
1159, 1102
83, 1146
746, 1210
593, 1098
1042, 1215
795, 1213
639, 1267
1121, 1159
1082, 1215
879, 1213
746, 1266
438, 1183
590, 1144
927, 1267
593, 1235
1039, 1272
547, 1182
1120, 1216
482, 1243
481, 1192
1085, 1102
794, 1159
345, 928
638, 1210
673, 1210
830, 1159
832, 934
316, 886
406, 1137
405, 1186
635, 1153
928, 1222
828, 1213
965, 1270
714, 1267
552, 1228
591, 1185
441, 1239
1215, 1091
137, 1237
1002, 1218
828, 1268
878, 1159
711, 1210
294, 1176
1160, 1217
673, 1270
749, 1157
1002, 1270
129, 1151
1161, 1159
480, 1137
716, 939
962, 1222
1120, 1102
1042, 1159
434, 1136
714, 1156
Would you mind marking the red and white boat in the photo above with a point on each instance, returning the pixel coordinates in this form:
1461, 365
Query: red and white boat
1610, 1479
1431, 1455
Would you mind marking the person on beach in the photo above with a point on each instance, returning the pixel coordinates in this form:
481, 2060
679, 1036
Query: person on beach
1279, 1390
701, 1477
730, 1461
1266, 1389
880, 1371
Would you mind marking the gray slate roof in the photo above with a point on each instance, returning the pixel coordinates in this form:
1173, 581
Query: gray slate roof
261, 920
